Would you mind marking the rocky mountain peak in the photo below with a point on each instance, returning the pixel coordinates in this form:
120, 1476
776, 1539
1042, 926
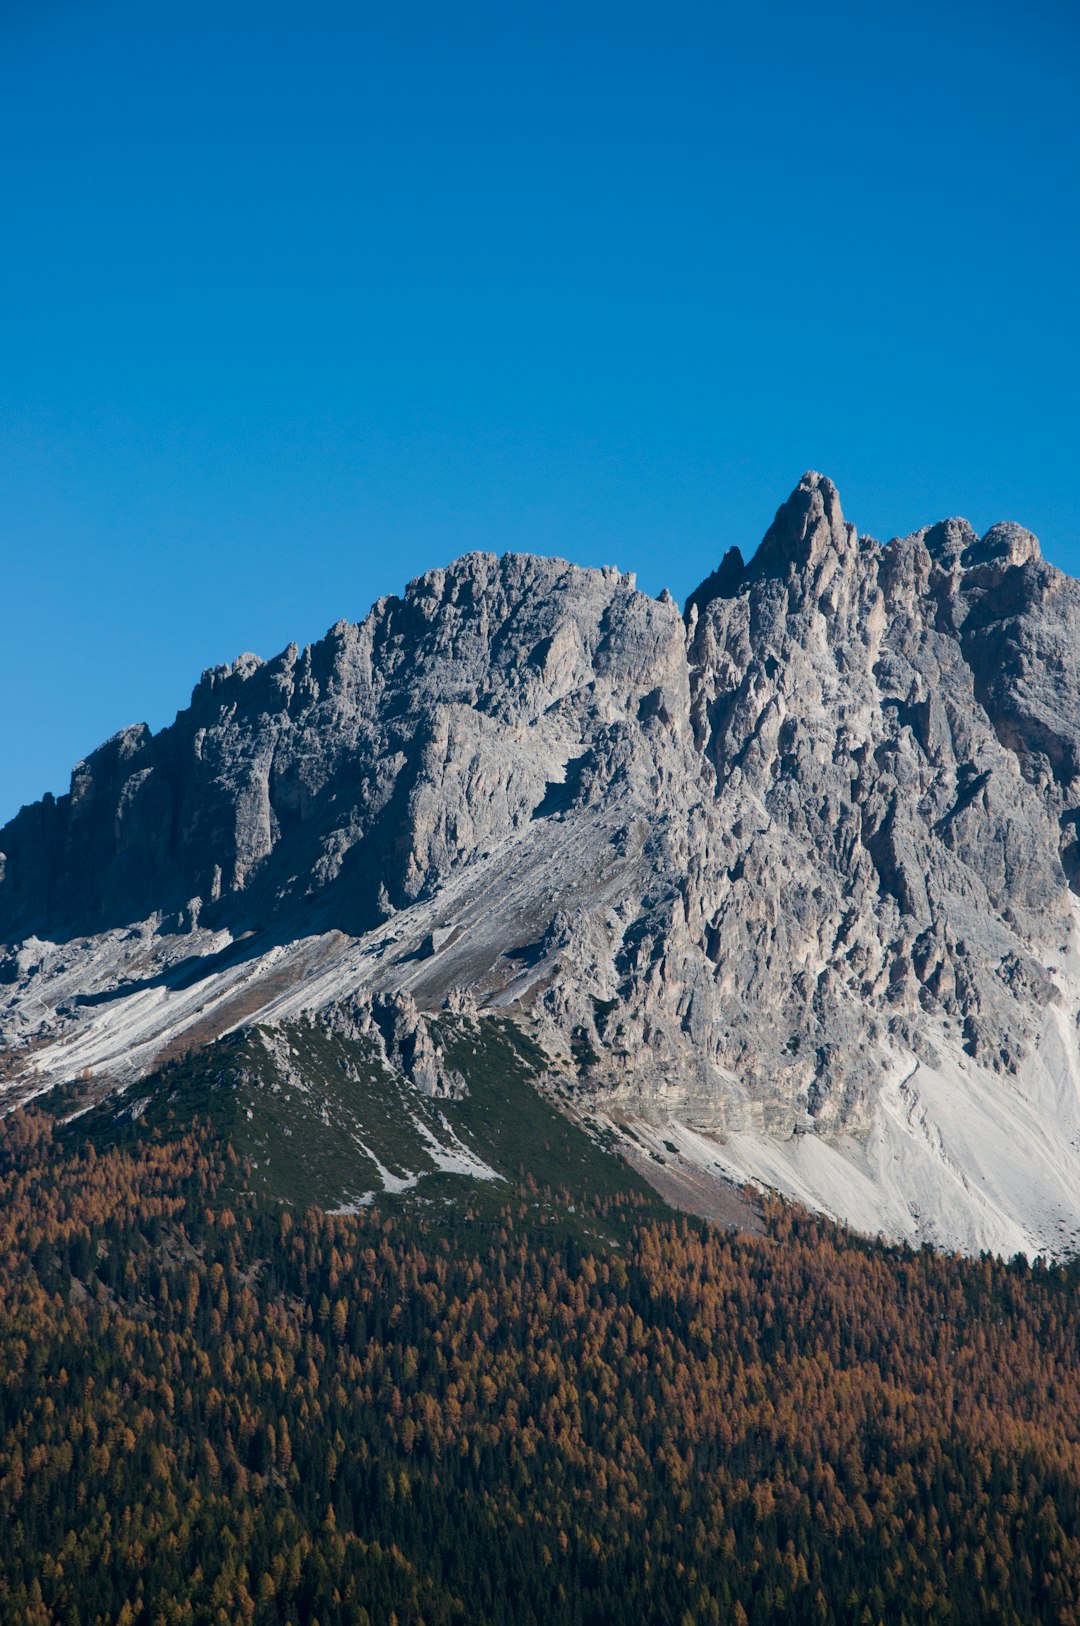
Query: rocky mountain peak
797, 874
807, 527
1005, 545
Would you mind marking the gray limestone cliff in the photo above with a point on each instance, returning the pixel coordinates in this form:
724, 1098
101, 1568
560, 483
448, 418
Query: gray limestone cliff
343, 782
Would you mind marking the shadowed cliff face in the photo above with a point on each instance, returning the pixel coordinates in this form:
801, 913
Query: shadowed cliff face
751, 863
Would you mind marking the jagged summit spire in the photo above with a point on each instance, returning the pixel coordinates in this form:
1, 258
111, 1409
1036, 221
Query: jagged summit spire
805, 528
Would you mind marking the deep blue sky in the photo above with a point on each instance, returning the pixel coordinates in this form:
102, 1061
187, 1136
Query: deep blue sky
298, 301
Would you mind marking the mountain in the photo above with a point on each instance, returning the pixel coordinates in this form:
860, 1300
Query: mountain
783, 886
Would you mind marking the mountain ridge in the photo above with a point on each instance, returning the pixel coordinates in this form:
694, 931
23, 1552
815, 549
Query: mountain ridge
793, 870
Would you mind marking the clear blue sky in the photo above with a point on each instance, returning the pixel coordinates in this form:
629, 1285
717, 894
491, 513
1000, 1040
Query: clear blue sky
298, 301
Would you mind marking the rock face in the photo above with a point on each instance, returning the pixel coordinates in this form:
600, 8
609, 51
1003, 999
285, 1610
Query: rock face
894, 763
343, 783
793, 872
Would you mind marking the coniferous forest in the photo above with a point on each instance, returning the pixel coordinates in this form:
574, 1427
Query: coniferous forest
217, 1407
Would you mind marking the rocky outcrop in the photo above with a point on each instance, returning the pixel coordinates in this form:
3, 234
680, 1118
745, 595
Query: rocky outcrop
751, 866
400, 1038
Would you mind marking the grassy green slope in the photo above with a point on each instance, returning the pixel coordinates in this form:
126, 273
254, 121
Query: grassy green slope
317, 1118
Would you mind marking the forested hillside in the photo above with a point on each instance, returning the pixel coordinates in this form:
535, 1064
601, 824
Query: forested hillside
214, 1407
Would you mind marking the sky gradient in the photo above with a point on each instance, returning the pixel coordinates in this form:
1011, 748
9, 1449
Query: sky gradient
298, 302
